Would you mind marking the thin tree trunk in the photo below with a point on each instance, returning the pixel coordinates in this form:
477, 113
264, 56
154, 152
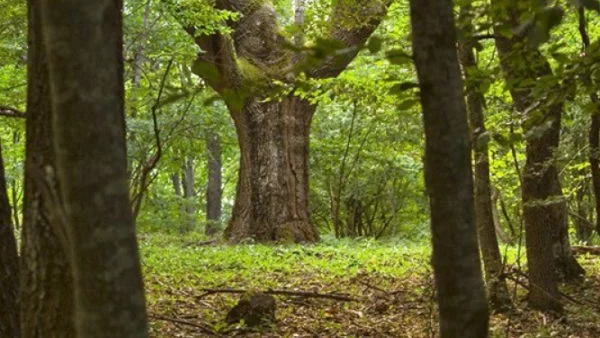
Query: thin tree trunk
594, 141
498, 294
9, 265
46, 283
189, 193
176, 180
214, 191
461, 293
582, 226
86, 76
272, 199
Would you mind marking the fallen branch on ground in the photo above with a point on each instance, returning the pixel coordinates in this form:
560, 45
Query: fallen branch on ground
304, 294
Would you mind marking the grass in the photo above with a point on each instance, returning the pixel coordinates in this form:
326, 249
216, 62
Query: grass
393, 278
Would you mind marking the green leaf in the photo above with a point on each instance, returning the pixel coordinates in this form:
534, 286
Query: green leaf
206, 70
402, 87
407, 104
374, 44
398, 57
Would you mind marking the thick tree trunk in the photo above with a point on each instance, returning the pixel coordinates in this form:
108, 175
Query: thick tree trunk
272, 194
46, 283
544, 207
9, 265
86, 80
214, 190
498, 294
461, 294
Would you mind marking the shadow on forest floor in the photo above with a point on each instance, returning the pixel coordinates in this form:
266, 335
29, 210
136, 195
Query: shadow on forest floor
391, 282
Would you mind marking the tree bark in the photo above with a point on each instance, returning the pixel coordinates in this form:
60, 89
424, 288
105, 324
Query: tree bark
498, 294
214, 191
9, 265
189, 193
455, 259
46, 283
544, 207
594, 141
272, 194
582, 225
86, 80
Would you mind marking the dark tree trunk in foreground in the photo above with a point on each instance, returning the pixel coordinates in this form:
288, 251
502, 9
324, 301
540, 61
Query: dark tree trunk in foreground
9, 265
549, 255
86, 78
214, 190
46, 283
272, 193
498, 294
461, 294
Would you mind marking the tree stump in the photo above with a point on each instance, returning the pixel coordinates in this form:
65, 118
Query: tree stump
254, 308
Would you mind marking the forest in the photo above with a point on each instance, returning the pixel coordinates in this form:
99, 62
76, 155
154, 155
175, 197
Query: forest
300, 168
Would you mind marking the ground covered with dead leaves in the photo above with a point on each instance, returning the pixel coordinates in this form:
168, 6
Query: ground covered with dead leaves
333, 289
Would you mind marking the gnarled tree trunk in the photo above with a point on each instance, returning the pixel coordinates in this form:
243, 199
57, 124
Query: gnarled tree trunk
272, 197
272, 194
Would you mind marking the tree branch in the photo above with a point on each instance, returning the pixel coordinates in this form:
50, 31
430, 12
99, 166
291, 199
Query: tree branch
352, 23
305, 294
11, 112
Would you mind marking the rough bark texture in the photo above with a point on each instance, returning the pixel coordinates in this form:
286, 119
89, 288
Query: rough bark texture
461, 294
46, 283
84, 45
498, 294
272, 193
544, 207
214, 190
9, 265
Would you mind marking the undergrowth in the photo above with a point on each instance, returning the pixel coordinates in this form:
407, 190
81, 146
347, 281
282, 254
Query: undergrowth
393, 280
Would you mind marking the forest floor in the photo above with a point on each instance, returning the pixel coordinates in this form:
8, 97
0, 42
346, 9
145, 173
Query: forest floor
391, 283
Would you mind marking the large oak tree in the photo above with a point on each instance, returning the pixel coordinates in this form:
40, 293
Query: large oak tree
272, 192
